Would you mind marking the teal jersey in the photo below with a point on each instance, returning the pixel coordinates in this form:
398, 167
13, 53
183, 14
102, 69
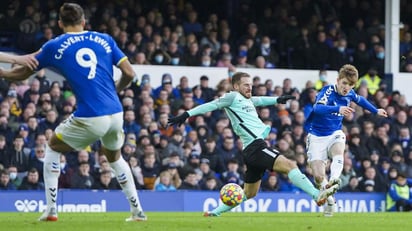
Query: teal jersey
242, 114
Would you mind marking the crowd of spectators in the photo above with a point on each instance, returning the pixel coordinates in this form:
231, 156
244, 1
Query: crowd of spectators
303, 34
204, 153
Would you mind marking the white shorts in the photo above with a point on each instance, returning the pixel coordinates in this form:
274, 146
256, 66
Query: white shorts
79, 132
319, 146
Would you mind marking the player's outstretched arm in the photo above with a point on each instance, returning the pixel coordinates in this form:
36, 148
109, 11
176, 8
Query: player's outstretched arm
16, 74
219, 103
284, 98
25, 60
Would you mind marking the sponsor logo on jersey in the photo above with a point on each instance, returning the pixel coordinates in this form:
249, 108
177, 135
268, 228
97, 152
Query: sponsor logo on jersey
325, 97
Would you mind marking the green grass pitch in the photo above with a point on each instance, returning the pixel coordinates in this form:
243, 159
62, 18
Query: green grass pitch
170, 221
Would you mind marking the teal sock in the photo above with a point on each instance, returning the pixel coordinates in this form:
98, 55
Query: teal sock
222, 208
299, 179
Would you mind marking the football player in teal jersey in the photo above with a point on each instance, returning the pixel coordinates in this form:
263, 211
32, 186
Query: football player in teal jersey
239, 106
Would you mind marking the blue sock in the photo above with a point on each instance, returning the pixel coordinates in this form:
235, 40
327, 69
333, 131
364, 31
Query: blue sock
222, 208
299, 179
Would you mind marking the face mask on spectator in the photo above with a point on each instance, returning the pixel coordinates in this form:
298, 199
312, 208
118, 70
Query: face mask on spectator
206, 63
266, 45
322, 78
159, 58
380, 55
62, 165
341, 49
175, 61
13, 175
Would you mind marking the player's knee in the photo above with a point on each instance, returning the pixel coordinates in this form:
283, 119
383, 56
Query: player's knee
290, 164
58, 145
284, 164
112, 156
53, 146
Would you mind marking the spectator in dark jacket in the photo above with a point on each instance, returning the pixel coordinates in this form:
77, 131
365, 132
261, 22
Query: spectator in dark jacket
82, 179
66, 173
190, 182
105, 181
31, 181
353, 185
211, 153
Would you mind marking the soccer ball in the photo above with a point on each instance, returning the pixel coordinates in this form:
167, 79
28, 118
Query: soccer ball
231, 194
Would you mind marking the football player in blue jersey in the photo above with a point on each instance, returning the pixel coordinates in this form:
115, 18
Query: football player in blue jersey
239, 106
86, 59
324, 126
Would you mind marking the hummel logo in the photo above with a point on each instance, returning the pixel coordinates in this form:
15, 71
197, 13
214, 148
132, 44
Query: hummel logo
134, 202
26, 205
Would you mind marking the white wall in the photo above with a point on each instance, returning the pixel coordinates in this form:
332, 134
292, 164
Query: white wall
403, 83
215, 74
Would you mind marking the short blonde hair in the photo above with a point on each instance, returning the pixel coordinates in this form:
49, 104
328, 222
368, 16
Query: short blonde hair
350, 73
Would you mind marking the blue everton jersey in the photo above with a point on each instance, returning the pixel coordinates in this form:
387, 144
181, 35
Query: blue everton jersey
86, 61
324, 119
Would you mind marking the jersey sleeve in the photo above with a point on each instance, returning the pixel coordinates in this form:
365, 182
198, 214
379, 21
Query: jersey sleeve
117, 55
364, 103
43, 57
263, 100
219, 103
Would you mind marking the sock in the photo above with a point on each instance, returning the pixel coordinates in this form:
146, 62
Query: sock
299, 179
336, 166
222, 208
125, 178
51, 173
331, 200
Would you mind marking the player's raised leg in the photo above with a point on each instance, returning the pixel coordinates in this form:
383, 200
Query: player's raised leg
336, 168
299, 179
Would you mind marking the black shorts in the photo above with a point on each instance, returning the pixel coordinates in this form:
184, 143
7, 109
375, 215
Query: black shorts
258, 158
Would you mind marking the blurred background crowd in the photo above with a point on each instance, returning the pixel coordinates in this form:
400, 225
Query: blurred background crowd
204, 153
